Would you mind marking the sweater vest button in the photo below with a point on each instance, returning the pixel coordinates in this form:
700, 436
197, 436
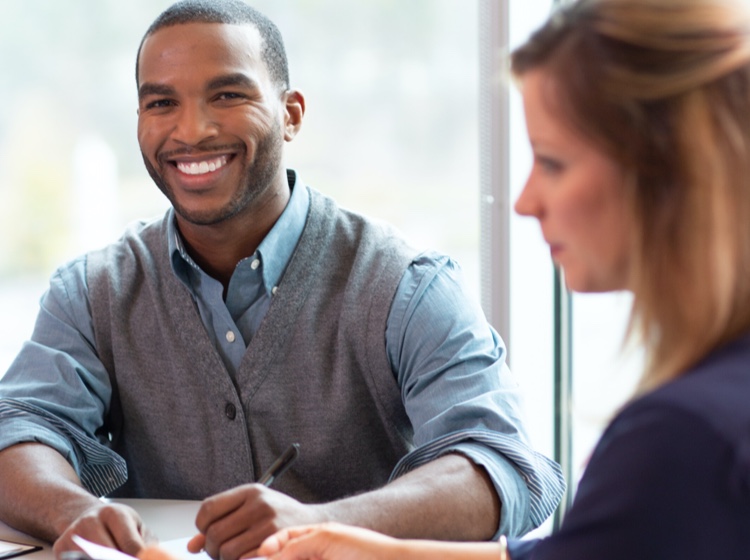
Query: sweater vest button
230, 411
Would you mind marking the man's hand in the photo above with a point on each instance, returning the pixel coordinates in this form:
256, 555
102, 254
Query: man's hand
43, 496
234, 523
114, 525
448, 498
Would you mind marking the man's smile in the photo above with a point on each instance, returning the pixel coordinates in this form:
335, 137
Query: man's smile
202, 167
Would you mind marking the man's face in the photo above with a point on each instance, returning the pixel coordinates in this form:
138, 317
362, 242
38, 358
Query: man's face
211, 124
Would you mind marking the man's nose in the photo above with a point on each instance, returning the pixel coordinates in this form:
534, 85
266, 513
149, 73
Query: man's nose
194, 125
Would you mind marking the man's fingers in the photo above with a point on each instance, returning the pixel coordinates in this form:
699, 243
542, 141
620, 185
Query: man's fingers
125, 527
197, 543
112, 525
221, 505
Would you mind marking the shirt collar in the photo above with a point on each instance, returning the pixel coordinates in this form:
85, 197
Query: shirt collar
277, 247
274, 251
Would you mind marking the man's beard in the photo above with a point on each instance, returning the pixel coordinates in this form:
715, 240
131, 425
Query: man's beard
258, 178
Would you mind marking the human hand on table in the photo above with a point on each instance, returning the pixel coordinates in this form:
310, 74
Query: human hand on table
232, 524
329, 541
113, 525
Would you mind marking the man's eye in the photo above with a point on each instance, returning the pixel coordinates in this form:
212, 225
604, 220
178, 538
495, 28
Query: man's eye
158, 104
229, 96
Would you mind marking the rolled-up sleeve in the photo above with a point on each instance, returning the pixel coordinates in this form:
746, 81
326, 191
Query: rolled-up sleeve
57, 391
460, 395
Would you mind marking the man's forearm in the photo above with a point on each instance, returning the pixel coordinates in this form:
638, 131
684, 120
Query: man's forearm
40, 493
449, 498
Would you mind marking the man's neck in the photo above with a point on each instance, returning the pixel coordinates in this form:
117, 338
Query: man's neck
219, 247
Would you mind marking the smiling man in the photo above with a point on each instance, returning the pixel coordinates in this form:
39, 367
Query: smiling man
212, 137
182, 360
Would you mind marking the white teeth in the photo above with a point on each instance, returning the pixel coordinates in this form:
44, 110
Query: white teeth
194, 168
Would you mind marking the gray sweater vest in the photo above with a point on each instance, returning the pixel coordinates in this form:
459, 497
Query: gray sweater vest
316, 372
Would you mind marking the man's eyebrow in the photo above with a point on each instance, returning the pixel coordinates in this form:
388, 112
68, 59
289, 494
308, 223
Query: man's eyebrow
229, 80
154, 89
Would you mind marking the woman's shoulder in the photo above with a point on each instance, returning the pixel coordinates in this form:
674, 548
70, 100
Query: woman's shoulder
670, 473
716, 390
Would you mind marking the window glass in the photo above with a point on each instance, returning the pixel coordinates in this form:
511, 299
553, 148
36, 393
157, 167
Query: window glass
531, 272
604, 371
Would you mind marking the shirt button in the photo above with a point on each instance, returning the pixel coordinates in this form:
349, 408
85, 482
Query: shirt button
255, 264
230, 336
230, 411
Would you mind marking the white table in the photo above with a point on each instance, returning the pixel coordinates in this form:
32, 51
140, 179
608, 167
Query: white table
167, 519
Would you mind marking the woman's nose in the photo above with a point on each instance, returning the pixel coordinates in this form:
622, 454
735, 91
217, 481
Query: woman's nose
527, 203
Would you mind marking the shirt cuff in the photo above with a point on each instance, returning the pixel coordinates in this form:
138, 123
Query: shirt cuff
100, 469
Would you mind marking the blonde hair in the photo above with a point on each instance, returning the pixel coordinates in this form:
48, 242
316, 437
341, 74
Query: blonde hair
663, 87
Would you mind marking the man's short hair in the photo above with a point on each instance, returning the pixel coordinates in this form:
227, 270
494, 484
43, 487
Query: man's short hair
234, 12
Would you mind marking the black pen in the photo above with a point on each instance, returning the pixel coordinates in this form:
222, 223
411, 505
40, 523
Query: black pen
280, 465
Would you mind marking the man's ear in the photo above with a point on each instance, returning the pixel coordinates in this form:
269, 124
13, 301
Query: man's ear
294, 103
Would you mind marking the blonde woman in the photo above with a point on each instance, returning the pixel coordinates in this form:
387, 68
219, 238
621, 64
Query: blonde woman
638, 112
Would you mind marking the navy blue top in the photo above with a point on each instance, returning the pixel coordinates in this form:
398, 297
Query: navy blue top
670, 478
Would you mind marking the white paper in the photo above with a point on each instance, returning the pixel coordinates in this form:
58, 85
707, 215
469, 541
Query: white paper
8, 547
100, 552
176, 547
11, 548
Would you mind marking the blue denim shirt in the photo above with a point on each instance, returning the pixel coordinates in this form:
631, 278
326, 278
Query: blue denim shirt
448, 361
